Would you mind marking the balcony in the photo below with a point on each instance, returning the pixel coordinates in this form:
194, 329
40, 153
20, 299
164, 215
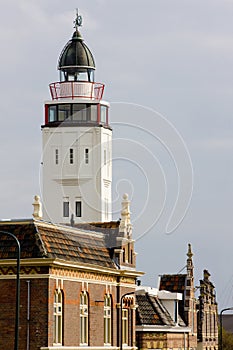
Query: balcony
76, 89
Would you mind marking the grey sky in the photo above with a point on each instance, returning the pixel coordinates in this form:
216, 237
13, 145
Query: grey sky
174, 57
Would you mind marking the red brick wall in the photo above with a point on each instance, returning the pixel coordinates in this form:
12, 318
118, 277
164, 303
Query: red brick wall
38, 313
41, 312
71, 309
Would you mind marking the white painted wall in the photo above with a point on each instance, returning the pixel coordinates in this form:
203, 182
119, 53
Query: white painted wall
91, 183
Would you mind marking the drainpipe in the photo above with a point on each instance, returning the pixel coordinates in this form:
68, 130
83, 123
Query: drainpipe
28, 313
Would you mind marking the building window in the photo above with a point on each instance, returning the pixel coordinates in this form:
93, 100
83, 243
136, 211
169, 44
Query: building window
64, 112
71, 156
103, 114
107, 320
78, 209
83, 318
66, 209
80, 112
52, 113
56, 156
86, 155
125, 329
57, 325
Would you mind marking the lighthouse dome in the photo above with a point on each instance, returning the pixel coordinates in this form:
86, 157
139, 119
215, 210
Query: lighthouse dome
76, 58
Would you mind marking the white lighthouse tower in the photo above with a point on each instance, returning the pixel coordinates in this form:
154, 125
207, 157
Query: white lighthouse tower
77, 141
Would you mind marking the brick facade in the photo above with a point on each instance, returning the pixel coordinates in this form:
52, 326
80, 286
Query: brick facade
41, 276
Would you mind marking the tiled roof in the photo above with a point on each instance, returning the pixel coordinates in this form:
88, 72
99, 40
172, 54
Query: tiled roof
151, 311
43, 240
173, 283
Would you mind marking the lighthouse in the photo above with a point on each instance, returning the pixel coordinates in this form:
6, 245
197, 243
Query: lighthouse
77, 141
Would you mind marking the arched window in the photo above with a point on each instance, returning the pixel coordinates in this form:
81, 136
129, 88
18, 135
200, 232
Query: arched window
107, 320
58, 317
83, 318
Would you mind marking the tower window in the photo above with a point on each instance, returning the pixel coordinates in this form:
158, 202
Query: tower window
66, 211
93, 113
52, 113
79, 112
56, 156
86, 155
71, 156
64, 112
78, 209
103, 114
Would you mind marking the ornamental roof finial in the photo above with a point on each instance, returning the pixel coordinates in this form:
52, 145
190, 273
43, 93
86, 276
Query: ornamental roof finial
37, 213
190, 253
125, 214
78, 20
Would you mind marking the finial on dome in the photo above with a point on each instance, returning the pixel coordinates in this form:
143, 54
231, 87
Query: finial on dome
190, 253
78, 20
37, 213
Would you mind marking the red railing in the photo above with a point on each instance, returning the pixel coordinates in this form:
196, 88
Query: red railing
73, 89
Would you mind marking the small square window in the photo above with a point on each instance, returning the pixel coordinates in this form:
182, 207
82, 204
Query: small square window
78, 209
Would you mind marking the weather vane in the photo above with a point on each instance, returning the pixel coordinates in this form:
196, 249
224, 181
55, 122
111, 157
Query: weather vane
78, 20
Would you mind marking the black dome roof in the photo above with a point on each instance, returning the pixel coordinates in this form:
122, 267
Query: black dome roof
76, 57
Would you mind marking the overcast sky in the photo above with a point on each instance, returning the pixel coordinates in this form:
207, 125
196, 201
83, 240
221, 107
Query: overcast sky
168, 70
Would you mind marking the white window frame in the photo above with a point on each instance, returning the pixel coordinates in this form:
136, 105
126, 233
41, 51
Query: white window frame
66, 208
83, 318
58, 317
78, 208
107, 320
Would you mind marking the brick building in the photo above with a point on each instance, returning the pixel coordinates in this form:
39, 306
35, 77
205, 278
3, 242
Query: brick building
171, 317
173, 326
74, 282
158, 323
207, 315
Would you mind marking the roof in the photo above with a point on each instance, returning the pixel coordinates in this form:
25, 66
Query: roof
173, 283
151, 311
44, 240
76, 56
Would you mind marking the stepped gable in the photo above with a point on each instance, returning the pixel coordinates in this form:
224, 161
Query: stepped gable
45, 240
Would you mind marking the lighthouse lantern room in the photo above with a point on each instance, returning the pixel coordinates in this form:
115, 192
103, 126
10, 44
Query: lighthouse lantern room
77, 141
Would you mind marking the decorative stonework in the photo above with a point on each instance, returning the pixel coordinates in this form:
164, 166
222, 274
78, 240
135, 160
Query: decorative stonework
37, 213
10, 270
84, 275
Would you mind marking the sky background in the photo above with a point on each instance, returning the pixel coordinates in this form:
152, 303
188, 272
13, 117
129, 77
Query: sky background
168, 70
